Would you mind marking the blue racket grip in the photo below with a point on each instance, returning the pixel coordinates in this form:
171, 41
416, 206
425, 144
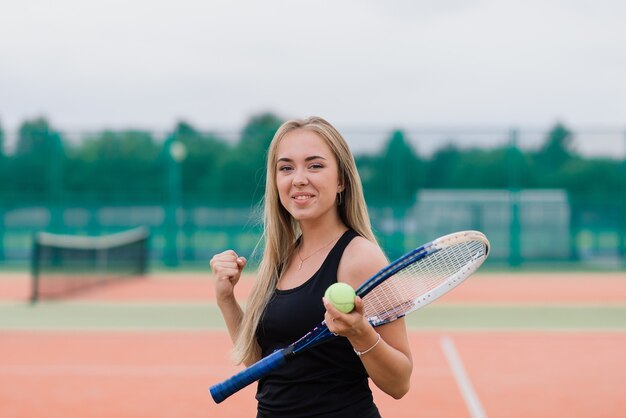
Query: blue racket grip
253, 373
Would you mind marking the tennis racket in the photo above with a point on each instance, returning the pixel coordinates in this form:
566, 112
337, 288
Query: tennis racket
409, 283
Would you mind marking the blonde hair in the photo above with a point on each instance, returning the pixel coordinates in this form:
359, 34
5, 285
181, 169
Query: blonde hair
281, 231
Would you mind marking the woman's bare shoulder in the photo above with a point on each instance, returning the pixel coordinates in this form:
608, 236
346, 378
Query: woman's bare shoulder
361, 259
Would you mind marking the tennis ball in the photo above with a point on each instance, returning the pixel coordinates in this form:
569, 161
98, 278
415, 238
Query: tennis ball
341, 295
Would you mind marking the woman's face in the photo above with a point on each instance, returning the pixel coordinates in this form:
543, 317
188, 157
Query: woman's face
307, 176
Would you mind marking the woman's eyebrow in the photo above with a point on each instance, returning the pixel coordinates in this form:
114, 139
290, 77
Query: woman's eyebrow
312, 157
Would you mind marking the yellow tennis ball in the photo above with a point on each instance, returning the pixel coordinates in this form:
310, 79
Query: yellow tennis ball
341, 295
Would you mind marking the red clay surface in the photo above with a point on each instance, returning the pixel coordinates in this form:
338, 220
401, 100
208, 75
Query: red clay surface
53, 374
124, 375
481, 288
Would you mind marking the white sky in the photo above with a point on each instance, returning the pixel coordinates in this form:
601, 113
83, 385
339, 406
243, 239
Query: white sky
148, 63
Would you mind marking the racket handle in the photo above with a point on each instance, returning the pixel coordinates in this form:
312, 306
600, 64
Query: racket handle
223, 390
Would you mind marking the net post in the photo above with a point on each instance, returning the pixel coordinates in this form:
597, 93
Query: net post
34, 271
144, 254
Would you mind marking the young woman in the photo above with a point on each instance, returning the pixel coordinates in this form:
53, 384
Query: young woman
316, 232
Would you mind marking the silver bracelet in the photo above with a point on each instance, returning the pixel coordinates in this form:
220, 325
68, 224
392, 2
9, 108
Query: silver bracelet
360, 353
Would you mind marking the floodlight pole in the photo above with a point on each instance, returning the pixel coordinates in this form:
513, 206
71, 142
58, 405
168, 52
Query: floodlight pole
175, 153
515, 257
2, 212
55, 182
622, 215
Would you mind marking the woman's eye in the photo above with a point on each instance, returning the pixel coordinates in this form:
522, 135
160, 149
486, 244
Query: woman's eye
284, 168
316, 166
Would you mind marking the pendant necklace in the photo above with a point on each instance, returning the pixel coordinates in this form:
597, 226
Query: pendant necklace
302, 260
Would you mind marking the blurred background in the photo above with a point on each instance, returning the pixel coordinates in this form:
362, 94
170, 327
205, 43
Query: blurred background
554, 197
502, 116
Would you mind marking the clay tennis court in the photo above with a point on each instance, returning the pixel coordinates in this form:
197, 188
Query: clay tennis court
71, 357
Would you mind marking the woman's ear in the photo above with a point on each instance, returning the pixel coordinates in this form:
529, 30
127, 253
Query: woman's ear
340, 186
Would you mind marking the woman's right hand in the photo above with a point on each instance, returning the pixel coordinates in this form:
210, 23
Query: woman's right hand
226, 267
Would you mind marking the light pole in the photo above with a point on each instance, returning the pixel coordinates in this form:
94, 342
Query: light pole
55, 182
175, 154
515, 256
622, 215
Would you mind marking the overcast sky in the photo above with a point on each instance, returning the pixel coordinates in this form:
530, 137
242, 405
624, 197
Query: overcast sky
148, 63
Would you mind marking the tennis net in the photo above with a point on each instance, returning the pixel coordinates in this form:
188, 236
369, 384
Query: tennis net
64, 264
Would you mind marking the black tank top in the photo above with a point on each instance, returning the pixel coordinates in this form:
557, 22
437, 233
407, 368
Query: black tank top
326, 381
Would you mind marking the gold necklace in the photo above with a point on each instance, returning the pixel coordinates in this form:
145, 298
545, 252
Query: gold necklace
302, 260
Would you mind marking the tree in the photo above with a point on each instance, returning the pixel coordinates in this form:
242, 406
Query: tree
551, 159
451, 167
1, 142
4, 164
117, 165
39, 158
557, 148
201, 173
395, 175
441, 166
245, 166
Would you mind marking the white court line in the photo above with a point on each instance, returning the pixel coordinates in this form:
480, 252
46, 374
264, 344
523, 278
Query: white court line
465, 386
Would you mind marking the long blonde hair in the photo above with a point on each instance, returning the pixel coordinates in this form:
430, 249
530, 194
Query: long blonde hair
281, 231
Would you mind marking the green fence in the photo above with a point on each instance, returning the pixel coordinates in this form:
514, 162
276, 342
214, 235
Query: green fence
525, 228
547, 197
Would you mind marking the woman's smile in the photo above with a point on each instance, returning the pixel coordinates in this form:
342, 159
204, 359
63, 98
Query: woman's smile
302, 198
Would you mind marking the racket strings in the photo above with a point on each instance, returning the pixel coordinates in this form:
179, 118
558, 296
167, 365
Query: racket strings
412, 286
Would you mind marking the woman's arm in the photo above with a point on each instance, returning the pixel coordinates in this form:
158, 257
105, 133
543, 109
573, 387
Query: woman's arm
388, 360
227, 267
388, 363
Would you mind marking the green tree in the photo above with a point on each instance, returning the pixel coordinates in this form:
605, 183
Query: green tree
34, 138
243, 179
553, 156
395, 175
201, 168
122, 165
38, 160
557, 149
1, 142
594, 179
4, 165
367, 166
441, 167
451, 167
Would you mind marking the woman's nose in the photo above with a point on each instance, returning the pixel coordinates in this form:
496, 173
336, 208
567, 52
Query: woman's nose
300, 178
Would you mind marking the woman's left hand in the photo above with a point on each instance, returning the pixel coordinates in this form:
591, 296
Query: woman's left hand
352, 324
